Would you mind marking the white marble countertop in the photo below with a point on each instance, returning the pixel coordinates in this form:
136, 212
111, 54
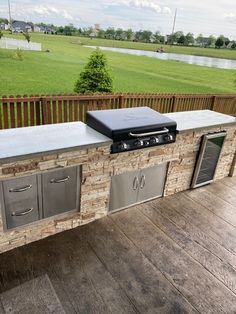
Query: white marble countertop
200, 119
37, 140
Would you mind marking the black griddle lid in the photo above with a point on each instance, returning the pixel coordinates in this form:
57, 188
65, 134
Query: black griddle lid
117, 121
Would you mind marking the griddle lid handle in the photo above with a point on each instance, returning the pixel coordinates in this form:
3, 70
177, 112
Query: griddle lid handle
165, 130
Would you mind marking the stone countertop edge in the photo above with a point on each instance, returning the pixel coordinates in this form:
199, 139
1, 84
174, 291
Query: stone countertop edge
28, 142
188, 121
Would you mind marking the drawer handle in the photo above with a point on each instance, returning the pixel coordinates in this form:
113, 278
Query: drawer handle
25, 212
60, 180
23, 189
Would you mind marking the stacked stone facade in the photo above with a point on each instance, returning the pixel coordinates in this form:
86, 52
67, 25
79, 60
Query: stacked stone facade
98, 165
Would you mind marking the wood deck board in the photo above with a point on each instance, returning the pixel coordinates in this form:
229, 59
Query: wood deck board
170, 255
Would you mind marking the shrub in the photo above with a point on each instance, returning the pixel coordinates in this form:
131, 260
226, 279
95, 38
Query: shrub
18, 55
96, 76
1, 34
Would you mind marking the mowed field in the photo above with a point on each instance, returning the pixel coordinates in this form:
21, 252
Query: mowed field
56, 71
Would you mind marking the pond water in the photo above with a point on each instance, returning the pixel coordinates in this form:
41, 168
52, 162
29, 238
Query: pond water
190, 59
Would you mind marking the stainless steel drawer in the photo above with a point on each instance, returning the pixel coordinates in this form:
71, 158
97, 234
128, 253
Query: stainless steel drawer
20, 201
59, 191
20, 189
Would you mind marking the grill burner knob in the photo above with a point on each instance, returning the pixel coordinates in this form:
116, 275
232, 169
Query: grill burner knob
122, 146
168, 138
154, 140
138, 143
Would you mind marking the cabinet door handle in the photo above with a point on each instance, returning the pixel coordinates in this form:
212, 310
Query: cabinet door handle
60, 180
142, 181
25, 212
135, 183
23, 189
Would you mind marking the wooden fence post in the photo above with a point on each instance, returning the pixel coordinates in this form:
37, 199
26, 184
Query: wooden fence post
122, 101
213, 103
174, 104
45, 111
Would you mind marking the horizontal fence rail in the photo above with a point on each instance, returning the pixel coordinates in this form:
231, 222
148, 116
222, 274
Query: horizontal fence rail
20, 111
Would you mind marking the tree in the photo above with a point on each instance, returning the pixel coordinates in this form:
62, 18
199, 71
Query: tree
211, 41
69, 30
146, 36
200, 40
129, 34
219, 42
101, 33
233, 46
181, 40
119, 34
96, 76
156, 37
189, 39
1, 34
27, 36
110, 33
3, 20
173, 38
227, 41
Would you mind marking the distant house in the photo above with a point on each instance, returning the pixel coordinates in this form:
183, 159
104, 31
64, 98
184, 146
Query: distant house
20, 27
37, 29
4, 26
45, 29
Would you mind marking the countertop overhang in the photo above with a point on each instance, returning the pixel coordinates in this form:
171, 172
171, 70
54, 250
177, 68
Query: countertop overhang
25, 142
200, 119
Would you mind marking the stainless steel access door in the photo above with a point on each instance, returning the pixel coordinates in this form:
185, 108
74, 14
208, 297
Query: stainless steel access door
60, 190
151, 182
124, 190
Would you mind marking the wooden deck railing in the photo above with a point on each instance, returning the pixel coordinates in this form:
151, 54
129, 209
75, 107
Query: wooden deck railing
22, 111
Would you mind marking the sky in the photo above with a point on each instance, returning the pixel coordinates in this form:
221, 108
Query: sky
209, 17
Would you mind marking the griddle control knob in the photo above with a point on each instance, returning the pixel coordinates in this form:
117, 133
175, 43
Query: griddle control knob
168, 138
145, 142
154, 140
122, 146
138, 143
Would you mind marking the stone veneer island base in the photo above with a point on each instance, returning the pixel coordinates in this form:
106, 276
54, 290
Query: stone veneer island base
38, 150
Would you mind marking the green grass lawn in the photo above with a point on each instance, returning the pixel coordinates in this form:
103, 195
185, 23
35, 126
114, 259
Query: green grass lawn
56, 71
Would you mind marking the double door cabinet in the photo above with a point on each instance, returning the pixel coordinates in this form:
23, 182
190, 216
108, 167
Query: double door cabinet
137, 186
28, 199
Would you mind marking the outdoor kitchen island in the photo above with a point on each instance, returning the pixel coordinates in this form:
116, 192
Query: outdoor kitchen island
40, 161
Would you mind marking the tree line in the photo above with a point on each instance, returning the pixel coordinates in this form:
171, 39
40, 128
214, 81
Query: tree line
145, 36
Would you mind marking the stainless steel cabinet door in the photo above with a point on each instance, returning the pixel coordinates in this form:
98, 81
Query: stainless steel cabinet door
124, 190
151, 182
59, 191
20, 201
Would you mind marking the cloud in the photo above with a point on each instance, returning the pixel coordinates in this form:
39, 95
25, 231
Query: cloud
152, 5
28, 11
230, 17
